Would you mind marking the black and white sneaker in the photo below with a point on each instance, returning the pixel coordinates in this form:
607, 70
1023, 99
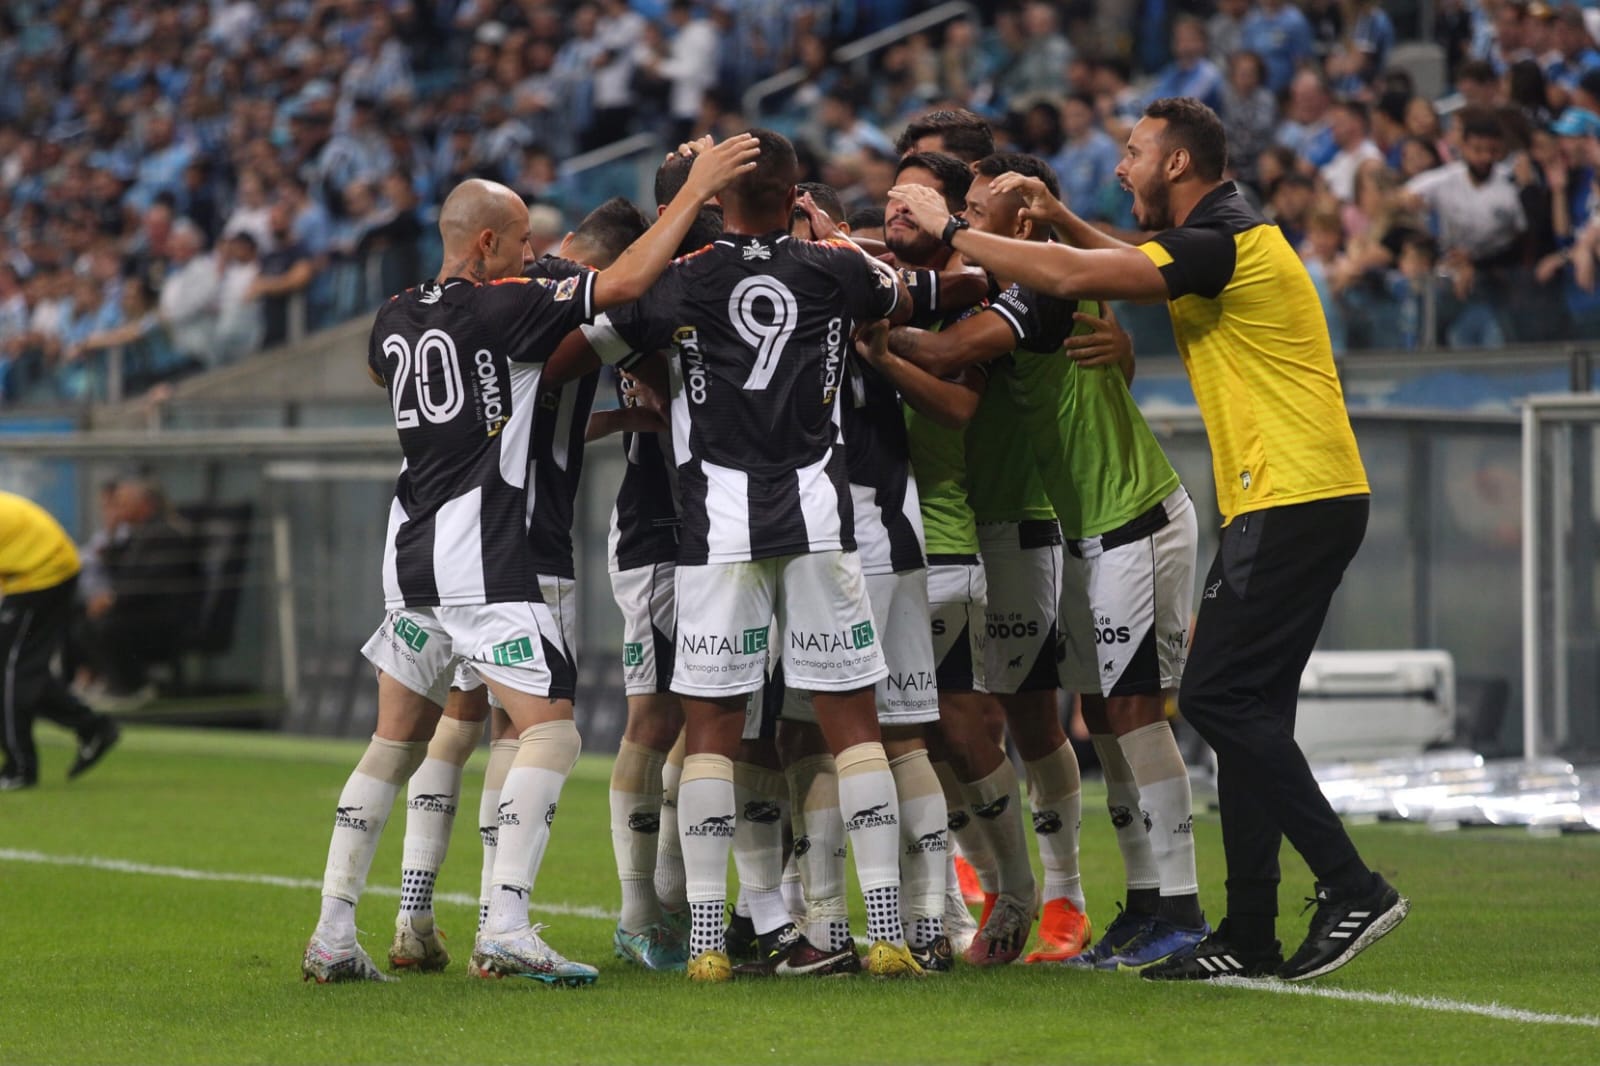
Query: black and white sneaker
784, 952
1343, 927
936, 956
1216, 956
739, 940
93, 748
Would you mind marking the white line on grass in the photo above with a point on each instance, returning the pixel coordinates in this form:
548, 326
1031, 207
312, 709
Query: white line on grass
1382, 999
183, 873
1398, 999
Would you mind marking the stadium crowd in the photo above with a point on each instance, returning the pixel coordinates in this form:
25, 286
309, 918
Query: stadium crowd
191, 182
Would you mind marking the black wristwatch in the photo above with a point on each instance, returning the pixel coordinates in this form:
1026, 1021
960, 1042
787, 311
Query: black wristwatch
953, 227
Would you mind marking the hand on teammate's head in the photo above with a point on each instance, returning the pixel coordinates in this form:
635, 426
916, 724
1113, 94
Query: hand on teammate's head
926, 206
717, 166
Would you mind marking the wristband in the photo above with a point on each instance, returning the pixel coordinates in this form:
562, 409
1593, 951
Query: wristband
953, 227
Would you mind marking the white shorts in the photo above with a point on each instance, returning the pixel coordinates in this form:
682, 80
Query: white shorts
1126, 600
957, 594
1022, 565
813, 607
909, 695
524, 646
648, 601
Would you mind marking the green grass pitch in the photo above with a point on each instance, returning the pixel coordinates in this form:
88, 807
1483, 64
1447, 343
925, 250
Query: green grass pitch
137, 964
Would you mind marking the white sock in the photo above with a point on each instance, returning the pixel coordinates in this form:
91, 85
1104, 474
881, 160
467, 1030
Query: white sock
363, 810
669, 880
760, 797
635, 825
872, 820
706, 816
1055, 793
819, 849
432, 797
501, 754
546, 754
924, 853
794, 893
997, 813
1127, 816
1157, 765
967, 838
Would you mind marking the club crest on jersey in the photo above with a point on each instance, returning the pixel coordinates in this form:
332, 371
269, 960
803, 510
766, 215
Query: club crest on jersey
566, 289
755, 250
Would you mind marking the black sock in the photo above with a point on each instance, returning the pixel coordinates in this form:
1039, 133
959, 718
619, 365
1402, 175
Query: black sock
1144, 901
1252, 932
1182, 910
1351, 878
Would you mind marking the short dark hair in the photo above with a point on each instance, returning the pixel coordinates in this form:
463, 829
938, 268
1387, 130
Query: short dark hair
1478, 70
865, 218
768, 184
1194, 127
670, 178
1479, 122
1029, 166
825, 197
954, 176
707, 227
1357, 110
965, 134
612, 226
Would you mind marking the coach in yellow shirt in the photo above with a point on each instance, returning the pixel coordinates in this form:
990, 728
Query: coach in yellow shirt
38, 577
1294, 502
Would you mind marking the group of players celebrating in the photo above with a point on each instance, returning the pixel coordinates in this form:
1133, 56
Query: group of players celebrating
880, 508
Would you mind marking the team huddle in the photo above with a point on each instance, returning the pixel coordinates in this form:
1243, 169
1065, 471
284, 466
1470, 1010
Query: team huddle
880, 507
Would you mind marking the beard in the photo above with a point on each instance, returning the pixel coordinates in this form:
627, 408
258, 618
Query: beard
1480, 176
912, 249
1156, 199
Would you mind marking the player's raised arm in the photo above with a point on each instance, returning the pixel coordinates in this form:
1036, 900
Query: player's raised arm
1122, 273
1040, 206
950, 403
636, 269
972, 341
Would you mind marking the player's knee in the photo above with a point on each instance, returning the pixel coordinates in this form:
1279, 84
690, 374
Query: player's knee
392, 761
553, 745
454, 740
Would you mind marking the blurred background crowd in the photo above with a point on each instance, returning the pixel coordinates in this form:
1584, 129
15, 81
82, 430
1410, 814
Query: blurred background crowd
190, 181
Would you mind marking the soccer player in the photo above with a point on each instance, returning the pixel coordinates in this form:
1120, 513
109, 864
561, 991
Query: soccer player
38, 577
461, 357
435, 789
1294, 499
758, 327
1127, 586
979, 781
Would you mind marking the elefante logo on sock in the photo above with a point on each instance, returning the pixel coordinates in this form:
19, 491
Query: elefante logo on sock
344, 818
871, 817
644, 822
802, 844
927, 842
432, 803
718, 825
993, 809
1046, 822
508, 817
490, 835
550, 815
764, 812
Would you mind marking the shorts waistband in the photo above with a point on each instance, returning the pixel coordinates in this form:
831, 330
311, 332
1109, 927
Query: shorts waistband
1026, 535
952, 560
1135, 529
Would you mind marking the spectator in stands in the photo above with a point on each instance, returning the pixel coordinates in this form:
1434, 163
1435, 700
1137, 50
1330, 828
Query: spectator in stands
188, 302
252, 212
690, 63
1305, 127
1351, 128
1118, 103
240, 325
1190, 73
154, 582
1042, 60
78, 376
1525, 90
1478, 84
1249, 113
1225, 31
163, 157
1509, 42
1279, 33
1357, 61
1418, 156
286, 273
618, 30
147, 352
1087, 163
1323, 254
1572, 57
844, 133
1289, 204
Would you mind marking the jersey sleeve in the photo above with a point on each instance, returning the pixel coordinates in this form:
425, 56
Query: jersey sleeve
923, 285
870, 291
621, 334
539, 311
1039, 322
1193, 260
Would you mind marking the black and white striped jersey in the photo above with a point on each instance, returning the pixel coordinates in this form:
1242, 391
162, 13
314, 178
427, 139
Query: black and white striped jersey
757, 328
461, 363
644, 523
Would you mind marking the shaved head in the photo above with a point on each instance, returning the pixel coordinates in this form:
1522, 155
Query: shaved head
484, 226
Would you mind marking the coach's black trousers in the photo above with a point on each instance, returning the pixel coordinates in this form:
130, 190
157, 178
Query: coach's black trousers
1263, 604
33, 626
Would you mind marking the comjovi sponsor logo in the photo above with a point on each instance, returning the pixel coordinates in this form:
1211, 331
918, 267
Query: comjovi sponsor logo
644, 822
750, 642
345, 818
718, 825
871, 817
1046, 822
432, 803
508, 817
513, 652
413, 635
764, 812
490, 393
927, 842
633, 653
832, 359
696, 379
855, 638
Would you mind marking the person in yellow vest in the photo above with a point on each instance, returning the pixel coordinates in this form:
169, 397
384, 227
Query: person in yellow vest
38, 577
1294, 501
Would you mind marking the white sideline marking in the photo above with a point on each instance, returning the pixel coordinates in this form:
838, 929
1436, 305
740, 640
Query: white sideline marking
1385, 999
122, 866
1398, 999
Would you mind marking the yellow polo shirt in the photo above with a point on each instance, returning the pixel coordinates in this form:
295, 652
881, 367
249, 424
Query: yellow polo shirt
35, 552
